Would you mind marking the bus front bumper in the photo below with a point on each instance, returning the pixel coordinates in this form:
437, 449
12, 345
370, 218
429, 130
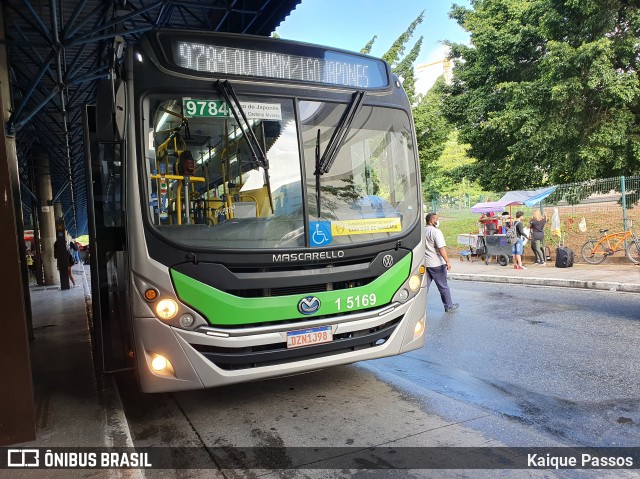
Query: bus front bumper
198, 360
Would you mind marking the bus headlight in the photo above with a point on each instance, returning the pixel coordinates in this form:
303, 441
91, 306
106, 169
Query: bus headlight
159, 363
419, 329
166, 308
414, 282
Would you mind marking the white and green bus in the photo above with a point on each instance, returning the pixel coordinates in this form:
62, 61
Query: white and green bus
256, 211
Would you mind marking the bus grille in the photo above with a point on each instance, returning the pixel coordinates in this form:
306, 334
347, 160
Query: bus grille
274, 354
300, 289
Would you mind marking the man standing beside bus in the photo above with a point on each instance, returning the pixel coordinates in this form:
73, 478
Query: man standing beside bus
437, 261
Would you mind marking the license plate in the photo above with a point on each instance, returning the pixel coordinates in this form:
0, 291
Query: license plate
307, 337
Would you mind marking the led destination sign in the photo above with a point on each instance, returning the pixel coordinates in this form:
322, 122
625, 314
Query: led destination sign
335, 68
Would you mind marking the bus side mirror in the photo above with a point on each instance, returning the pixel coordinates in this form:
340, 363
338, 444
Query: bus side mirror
110, 110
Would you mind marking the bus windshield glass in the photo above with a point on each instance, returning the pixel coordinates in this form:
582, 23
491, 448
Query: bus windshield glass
370, 190
223, 174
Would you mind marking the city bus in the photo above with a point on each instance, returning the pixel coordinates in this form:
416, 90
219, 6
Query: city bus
256, 211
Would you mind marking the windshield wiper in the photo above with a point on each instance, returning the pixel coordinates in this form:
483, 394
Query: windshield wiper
317, 174
335, 143
257, 153
339, 135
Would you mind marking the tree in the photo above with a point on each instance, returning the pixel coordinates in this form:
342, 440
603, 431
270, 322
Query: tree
445, 166
406, 71
367, 48
549, 90
432, 130
402, 66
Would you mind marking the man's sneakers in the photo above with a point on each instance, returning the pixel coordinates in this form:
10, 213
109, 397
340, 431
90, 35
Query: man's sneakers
451, 308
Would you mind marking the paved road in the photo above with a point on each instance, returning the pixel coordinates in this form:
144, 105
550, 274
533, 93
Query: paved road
515, 366
564, 362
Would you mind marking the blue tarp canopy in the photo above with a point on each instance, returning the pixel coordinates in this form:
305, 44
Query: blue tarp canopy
527, 197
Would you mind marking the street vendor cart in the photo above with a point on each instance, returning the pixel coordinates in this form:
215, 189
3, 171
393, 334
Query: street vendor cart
492, 244
496, 245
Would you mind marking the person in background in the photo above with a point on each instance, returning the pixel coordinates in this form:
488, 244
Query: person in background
71, 262
75, 250
437, 261
30, 262
537, 225
64, 258
505, 222
489, 223
518, 246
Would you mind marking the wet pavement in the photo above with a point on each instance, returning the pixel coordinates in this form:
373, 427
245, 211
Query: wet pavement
77, 408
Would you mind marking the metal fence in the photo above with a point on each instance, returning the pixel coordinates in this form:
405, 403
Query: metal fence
584, 208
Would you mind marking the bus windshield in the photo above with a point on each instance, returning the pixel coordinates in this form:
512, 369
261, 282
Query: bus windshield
233, 175
370, 190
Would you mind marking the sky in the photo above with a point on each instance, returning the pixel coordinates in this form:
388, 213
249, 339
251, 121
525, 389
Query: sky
350, 24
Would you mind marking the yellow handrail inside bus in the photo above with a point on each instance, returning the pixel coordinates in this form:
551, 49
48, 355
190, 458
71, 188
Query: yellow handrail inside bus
196, 179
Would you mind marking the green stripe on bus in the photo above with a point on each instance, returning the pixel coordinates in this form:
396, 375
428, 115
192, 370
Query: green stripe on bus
221, 308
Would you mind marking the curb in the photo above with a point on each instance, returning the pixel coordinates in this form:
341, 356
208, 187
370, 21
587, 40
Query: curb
536, 281
114, 421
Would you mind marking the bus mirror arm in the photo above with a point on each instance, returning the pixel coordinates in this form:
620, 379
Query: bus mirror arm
318, 173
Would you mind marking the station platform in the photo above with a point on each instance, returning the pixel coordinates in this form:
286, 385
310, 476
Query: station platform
75, 407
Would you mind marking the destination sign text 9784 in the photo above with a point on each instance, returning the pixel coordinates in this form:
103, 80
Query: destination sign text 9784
335, 68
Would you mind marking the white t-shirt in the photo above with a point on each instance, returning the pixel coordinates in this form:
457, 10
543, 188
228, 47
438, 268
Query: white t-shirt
433, 240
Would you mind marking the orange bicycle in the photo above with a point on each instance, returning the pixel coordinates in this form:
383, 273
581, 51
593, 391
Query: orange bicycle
596, 250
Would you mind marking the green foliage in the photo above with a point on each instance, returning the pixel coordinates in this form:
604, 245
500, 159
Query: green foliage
394, 54
432, 131
549, 92
451, 175
446, 168
367, 48
403, 67
406, 71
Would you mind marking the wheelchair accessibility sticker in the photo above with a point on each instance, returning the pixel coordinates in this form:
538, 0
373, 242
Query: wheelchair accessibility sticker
320, 233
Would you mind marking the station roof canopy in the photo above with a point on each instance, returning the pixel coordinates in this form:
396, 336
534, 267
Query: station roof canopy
57, 51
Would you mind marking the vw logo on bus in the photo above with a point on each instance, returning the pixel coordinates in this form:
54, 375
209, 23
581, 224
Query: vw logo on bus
387, 261
309, 305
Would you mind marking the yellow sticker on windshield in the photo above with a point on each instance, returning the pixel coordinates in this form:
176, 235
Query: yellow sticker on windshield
365, 226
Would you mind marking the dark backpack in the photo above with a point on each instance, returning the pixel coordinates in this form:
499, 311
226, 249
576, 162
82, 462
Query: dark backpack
512, 234
71, 259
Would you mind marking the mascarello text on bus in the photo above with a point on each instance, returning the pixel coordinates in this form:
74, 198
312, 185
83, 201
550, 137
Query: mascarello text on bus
256, 211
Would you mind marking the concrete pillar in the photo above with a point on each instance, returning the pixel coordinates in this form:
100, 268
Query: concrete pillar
47, 220
17, 406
